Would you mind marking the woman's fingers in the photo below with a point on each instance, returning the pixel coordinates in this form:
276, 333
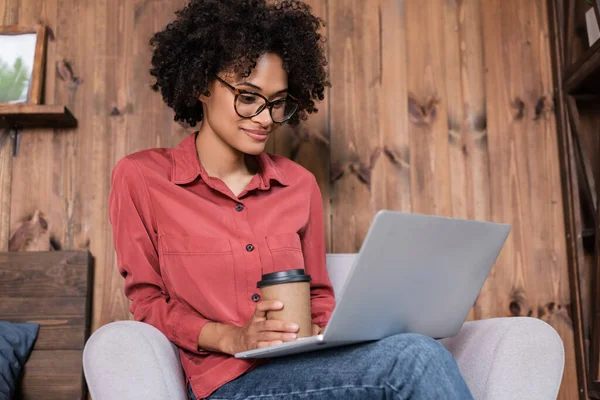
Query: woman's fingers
271, 336
277, 326
267, 305
315, 329
267, 344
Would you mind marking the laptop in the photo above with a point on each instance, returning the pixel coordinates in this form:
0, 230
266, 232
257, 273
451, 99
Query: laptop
414, 273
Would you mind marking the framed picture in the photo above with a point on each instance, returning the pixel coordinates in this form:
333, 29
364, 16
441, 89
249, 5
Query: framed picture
22, 61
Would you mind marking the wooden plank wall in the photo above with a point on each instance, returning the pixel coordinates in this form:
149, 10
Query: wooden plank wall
52, 289
437, 106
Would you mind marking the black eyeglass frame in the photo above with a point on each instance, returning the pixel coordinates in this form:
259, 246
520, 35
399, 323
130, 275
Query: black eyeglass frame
268, 104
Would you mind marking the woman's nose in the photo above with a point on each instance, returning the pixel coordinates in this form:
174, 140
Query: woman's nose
264, 118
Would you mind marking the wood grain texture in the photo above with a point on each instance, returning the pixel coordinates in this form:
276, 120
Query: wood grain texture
61, 319
428, 108
43, 274
441, 107
9, 11
60, 306
467, 130
52, 374
355, 65
391, 174
524, 172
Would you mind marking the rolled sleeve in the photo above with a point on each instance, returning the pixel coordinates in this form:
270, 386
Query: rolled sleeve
135, 239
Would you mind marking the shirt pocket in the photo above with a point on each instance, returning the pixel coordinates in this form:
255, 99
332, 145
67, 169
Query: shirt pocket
286, 251
201, 271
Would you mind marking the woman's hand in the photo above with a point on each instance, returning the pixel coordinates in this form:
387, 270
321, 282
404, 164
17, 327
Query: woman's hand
260, 332
317, 330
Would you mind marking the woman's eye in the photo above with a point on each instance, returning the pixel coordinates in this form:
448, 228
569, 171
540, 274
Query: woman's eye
247, 98
278, 104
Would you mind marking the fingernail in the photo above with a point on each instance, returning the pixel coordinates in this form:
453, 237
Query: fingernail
294, 326
278, 304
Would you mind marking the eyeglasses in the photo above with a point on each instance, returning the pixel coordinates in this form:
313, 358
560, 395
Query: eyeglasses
249, 104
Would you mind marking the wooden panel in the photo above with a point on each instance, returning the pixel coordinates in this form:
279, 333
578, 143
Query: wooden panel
52, 374
58, 332
391, 169
60, 306
467, 130
427, 108
355, 65
9, 10
28, 309
68, 333
62, 319
524, 172
44, 274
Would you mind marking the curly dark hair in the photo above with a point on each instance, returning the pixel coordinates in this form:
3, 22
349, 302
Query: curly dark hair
210, 36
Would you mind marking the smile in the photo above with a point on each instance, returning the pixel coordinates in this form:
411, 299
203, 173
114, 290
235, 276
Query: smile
257, 135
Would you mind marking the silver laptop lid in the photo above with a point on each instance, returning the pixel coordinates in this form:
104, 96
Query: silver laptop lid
415, 273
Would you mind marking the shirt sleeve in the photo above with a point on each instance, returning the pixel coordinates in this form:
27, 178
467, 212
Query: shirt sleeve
135, 240
314, 250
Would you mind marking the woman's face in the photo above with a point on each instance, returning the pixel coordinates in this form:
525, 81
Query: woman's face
247, 135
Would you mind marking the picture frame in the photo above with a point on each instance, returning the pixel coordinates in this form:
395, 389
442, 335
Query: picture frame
22, 64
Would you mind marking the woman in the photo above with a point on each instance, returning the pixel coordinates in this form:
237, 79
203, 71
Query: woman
196, 226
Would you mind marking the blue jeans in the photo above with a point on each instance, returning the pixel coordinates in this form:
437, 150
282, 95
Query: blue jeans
405, 366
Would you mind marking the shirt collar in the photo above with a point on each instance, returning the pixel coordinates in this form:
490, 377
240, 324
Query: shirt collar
186, 166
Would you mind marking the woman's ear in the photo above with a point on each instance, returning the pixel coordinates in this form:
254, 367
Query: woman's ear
204, 96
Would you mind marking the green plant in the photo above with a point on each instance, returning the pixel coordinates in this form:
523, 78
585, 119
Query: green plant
13, 80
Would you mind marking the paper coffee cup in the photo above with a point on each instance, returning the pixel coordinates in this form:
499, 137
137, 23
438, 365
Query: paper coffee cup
292, 288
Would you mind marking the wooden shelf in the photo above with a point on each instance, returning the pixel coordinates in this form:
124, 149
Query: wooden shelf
36, 116
584, 75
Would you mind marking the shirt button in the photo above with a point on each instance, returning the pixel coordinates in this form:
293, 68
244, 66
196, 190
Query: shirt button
239, 207
249, 247
255, 297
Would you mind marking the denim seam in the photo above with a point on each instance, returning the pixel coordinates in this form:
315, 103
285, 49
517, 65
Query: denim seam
332, 388
395, 389
390, 385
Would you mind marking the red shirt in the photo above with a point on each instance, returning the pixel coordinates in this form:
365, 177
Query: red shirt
192, 252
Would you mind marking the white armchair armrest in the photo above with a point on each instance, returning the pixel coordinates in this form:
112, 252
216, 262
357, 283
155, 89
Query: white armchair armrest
132, 360
509, 358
